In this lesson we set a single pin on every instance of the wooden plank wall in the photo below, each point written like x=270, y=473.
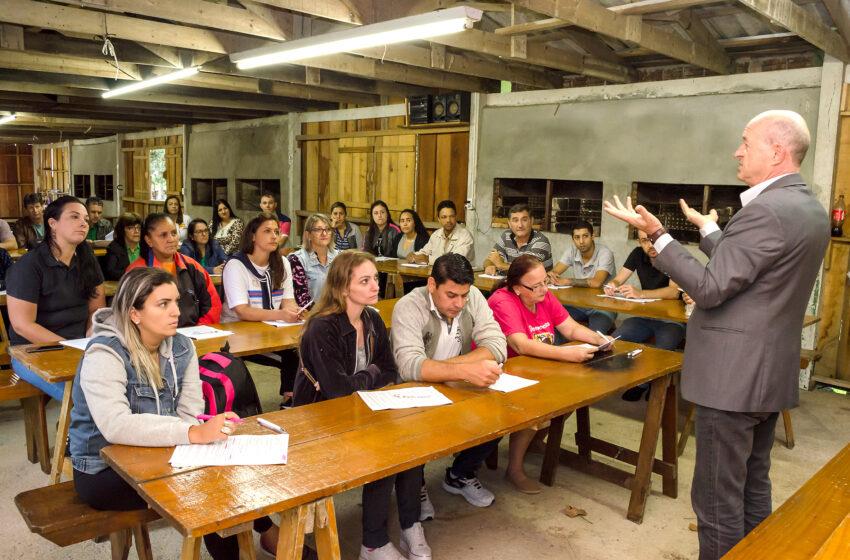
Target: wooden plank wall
x=16, y=178
x=136, y=182
x=54, y=168
x=835, y=297
x=360, y=161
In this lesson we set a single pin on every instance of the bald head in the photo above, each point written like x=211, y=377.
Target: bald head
x=785, y=128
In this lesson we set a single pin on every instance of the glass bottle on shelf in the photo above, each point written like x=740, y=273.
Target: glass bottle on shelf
x=838, y=217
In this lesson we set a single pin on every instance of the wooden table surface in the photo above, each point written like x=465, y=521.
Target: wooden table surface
x=18, y=253
x=349, y=445
x=248, y=338
x=810, y=524
x=396, y=266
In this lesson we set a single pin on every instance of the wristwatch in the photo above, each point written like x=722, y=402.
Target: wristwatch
x=653, y=237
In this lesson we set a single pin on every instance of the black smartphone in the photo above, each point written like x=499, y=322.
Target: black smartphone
x=35, y=349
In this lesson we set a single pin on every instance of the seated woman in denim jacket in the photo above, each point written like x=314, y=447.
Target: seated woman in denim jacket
x=137, y=384
x=346, y=348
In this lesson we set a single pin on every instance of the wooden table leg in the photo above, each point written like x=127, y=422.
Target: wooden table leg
x=143, y=542
x=583, y=432
x=191, y=549
x=61, y=435
x=246, y=545
x=648, y=443
x=789, y=429
x=291, y=541
x=669, y=452
x=551, y=456
x=687, y=429
x=28, y=405
x=36, y=416
x=119, y=543
x=327, y=539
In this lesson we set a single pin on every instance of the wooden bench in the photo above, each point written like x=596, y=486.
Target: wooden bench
x=56, y=513
x=12, y=388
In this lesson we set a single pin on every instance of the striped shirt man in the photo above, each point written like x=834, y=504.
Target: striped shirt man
x=538, y=245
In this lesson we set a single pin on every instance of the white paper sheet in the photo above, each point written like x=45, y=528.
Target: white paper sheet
x=235, y=450
x=554, y=287
x=493, y=276
x=279, y=323
x=508, y=383
x=415, y=265
x=78, y=343
x=203, y=332
x=409, y=397
x=631, y=299
x=381, y=259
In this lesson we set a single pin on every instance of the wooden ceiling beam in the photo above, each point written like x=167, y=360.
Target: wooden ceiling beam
x=25, y=60
x=840, y=12
x=655, y=6
x=195, y=13
x=796, y=19
x=756, y=40
x=537, y=26
x=595, y=17
x=333, y=10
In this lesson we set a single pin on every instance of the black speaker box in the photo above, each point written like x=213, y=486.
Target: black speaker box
x=457, y=107
x=438, y=108
x=419, y=109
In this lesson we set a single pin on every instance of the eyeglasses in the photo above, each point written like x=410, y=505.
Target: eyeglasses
x=137, y=227
x=538, y=286
x=202, y=232
x=321, y=231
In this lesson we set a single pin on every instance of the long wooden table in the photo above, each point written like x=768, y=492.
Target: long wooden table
x=18, y=253
x=814, y=523
x=341, y=444
x=248, y=338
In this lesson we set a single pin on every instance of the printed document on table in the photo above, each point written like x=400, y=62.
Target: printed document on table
x=78, y=343
x=278, y=323
x=235, y=450
x=203, y=332
x=508, y=383
x=493, y=276
x=554, y=287
x=631, y=299
x=381, y=259
x=415, y=265
x=410, y=397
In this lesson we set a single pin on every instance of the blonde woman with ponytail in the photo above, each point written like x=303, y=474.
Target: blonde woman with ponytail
x=137, y=384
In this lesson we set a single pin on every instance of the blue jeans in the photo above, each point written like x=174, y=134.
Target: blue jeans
x=668, y=335
x=54, y=390
x=596, y=320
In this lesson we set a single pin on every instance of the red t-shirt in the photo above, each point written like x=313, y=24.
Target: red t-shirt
x=514, y=317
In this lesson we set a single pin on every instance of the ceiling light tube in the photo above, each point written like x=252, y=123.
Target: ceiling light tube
x=136, y=86
x=412, y=28
x=7, y=118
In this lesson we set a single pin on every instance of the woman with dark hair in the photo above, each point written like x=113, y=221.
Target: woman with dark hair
x=199, y=301
x=125, y=246
x=345, y=234
x=345, y=348
x=413, y=237
x=53, y=290
x=174, y=210
x=226, y=227
x=257, y=280
x=382, y=233
x=200, y=247
x=528, y=314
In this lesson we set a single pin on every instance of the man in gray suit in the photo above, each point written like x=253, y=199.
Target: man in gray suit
x=742, y=353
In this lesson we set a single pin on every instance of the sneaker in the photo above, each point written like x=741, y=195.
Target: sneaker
x=386, y=552
x=426, y=508
x=636, y=393
x=413, y=543
x=469, y=488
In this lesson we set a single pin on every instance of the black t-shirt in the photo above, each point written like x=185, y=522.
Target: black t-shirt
x=55, y=288
x=650, y=277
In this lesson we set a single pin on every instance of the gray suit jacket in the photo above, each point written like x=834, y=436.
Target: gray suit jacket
x=743, y=342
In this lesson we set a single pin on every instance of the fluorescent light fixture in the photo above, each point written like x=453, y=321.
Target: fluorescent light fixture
x=7, y=118
x=179, y=75
x=422, y=26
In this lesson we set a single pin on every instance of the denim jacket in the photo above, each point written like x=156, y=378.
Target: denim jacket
x=86, y=439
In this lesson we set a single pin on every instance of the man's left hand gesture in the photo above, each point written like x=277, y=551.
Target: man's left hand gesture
x=638, y=217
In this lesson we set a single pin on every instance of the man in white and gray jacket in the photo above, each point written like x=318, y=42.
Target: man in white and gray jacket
x=432, y=332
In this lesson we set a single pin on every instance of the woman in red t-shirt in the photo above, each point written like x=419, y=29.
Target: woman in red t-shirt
x=529, y=314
